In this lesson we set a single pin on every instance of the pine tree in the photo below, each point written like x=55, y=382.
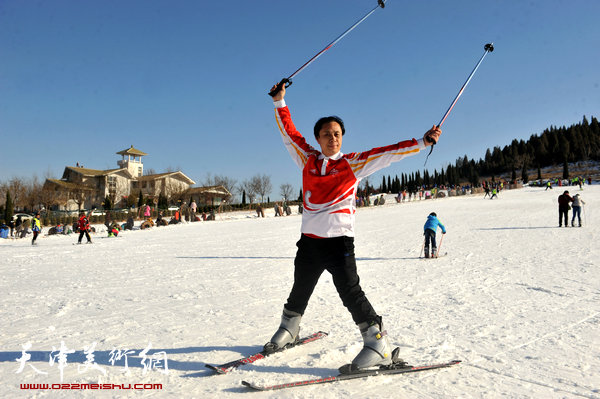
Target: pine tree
x=565, y=169
x=140, y=199
x=107, y=204
x=539, y=173
x=524, y=175
x=8, y=207
x=163, y=203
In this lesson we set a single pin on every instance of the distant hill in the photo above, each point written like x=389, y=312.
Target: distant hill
x=557, y=152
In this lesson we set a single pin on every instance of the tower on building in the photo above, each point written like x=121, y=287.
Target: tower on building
x=132, y=161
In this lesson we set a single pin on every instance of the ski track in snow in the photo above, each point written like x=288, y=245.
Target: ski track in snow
x=517, y=299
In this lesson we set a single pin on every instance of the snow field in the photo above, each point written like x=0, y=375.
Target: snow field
x=517, y=299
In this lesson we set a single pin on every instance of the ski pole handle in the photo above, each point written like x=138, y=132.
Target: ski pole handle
x=430, y=140
x=285, y=81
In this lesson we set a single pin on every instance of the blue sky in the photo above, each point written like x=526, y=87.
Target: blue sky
x=186, y=81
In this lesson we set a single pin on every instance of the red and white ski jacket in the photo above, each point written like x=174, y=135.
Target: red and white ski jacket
x=329, y=184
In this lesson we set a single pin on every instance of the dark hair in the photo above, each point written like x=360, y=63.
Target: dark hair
x=432, y=214
x=327, y=119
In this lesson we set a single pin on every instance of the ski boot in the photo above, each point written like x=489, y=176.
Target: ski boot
x=427, y=251
x=434, y=253
x=286, y=334
x=376, y=351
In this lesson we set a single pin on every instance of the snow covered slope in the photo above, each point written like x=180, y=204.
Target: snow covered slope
x=517, y=299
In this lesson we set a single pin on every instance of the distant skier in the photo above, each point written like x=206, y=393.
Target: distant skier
x=330, y=180
x=36, y=227
x=494, y=193
x=487, y=191
x=548, y=185
x=563, y=208
x=84, y=227
x=430, y=228
x=577, y=202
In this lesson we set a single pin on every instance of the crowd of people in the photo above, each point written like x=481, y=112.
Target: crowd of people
x=21, y=227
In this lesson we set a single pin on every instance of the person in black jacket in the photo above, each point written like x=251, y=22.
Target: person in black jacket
x=563, y=208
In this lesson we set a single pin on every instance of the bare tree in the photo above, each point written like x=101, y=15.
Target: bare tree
x=219, y=180
x=175, y=190
x=229, y=183
x=33, y=194
x=18, y=192
x=3, y=190
x=286, y=191
x=263, y=185
x=50, y=197
x=250, y=189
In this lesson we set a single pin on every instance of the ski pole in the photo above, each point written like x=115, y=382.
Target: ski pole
x=288, y=81
x=440, y=247
x=422, y=246
x=489, y=47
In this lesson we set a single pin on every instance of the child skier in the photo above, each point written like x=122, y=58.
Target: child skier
x=430, y=228
x=36, y=227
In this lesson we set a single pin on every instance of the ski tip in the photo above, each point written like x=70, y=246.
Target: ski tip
x=252, y=386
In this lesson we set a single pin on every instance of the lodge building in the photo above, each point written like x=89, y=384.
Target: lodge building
x=84, y=188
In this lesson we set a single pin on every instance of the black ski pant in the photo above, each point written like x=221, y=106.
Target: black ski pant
x=35, y=235
x=430, y=238
x=336, y=255
x=87, y=235
x=563, y=212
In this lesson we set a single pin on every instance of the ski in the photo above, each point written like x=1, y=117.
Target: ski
x=227, y=367
x=403, y=369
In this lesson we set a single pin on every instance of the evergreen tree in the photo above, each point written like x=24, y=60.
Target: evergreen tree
x=107, y=204
x=418, y=179
x=163, y=203
x=565, y=169
x=140, y=199
x=513, y=175
x=524, y=175
x=383, y=187
x=474, y=179
x=389, y=184
x=539, y=173
x=8, y=207
x=426, y=179
x=243, y=197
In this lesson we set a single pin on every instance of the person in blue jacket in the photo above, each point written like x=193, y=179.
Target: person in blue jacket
x=430, y=228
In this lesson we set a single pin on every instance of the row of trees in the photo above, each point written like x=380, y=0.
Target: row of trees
x=251, y=190
x=578, y=142
x=554, y=146
x=27, y=195
x=21, y=194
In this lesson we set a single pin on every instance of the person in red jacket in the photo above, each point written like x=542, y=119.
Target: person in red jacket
x=84, y=227
x=563, y=208
x=329, y=184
